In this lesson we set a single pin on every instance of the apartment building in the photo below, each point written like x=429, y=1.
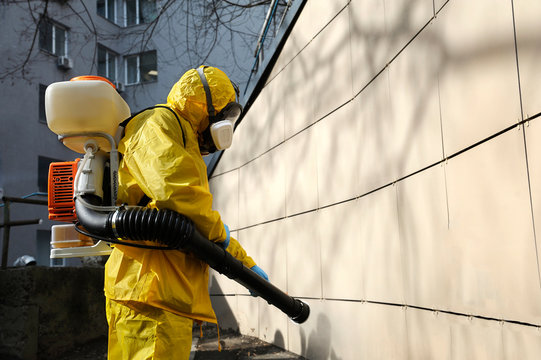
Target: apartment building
x=142, y=46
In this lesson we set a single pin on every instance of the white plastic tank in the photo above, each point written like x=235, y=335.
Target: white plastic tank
x=82, y=105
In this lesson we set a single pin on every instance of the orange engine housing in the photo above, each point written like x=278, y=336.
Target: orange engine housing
x=60, y=198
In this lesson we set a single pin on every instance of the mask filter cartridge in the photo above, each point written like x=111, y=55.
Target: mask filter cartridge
x=221, y=125
x=222, y=134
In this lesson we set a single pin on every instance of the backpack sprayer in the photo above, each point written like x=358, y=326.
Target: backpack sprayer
x=85, y=113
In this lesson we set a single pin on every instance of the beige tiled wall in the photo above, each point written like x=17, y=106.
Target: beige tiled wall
x=527, y=13
x=385, y=176
x=478, y=81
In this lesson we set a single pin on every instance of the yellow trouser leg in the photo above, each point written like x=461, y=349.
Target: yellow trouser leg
x=139, y=332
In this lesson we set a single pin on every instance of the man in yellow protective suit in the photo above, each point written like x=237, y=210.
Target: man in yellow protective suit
x=153, y=296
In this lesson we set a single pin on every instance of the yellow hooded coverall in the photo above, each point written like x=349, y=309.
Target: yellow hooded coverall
x=153, y=295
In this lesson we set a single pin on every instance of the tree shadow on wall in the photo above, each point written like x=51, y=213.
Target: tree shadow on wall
x=318, y=344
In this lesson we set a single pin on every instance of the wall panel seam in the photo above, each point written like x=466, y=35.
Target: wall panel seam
x=392, y=183
x=423, y=308
x=346, y=102
x=525, y=143
x=309, y=42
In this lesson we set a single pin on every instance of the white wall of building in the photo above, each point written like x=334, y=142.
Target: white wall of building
x=385, y=175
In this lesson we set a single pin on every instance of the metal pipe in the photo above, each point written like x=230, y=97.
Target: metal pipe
x=20, y=223
x=5, y=246
x=7, y=199
x=262, y=33
x=113, y=158
x=8, y=224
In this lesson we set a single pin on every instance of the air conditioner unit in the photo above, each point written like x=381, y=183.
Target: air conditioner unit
x=119, y=86
x=64, y=62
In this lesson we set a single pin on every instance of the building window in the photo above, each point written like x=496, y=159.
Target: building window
x=142, y=68
x=107, y=63
x=139, y=11
x=107, y=9
x=43, y=172
x=42, y=117
x=53, y=38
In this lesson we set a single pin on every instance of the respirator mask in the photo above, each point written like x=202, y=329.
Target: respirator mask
x=219, y=134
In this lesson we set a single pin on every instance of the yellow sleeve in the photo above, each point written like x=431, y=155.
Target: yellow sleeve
x=172, y=175
x=239, y=253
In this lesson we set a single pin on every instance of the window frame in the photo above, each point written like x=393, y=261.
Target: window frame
x=55, y=26
x=127, y=69
x=105, y=15
x=139, y=17
x=137, y=22
x=108, y=53
x=139, y=77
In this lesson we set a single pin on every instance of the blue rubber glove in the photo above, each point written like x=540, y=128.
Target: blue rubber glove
x=261, y=273
x=225, y=244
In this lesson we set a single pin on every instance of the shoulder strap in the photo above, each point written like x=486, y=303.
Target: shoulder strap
x=124, y=123
x=145, y=199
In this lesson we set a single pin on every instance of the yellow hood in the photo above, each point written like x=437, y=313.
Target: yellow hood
x=188, y=96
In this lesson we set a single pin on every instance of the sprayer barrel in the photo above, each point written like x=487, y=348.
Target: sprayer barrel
x=175, y=230
x=223, y=262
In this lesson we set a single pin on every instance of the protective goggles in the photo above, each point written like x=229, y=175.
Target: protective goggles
x=219, y=134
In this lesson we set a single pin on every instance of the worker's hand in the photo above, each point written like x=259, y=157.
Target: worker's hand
x=261, y=273
x=225, y=244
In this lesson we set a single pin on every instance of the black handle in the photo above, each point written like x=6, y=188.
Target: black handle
x=223, y=262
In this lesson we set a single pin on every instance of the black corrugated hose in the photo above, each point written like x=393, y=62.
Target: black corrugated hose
x=169, y=228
